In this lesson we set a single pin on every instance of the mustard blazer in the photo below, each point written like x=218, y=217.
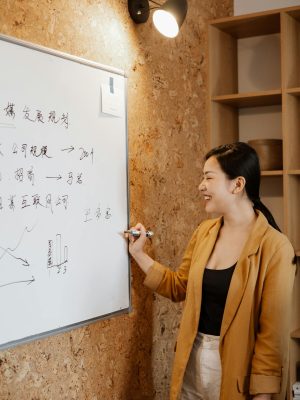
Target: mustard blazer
x=255, y=327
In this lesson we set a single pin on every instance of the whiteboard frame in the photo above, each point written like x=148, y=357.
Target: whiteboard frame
x=93, y=64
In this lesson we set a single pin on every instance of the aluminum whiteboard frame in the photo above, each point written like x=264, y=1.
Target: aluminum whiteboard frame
x=116, y=71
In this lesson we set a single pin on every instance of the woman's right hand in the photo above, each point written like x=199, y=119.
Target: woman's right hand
x=136, y=248
x=136, y=244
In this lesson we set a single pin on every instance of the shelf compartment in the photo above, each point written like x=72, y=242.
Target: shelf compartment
x=263, y=122
x=252, y=25
x=291, y=131
x=291, y=49
x=231, y=60
x=230, y=124
x=254, y=99
x=259, y=66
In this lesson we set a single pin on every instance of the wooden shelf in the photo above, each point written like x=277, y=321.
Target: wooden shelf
x=272, y=173
x=296, y=334
x=254, y=99
x=252, y=25
x=294, y=91
x=293, y=172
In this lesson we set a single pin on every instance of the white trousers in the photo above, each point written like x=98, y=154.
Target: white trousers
x=202, y=377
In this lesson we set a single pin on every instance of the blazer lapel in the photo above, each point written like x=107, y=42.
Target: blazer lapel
x=236, y=290
x=241, y=274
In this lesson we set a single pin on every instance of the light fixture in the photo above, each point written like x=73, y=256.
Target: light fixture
x=167, y=17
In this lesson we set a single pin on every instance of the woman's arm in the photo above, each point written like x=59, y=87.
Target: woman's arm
x=159, y=278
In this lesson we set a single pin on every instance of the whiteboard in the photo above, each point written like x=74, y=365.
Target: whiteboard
x=63, y=192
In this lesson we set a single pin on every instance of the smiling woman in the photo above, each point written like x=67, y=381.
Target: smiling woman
x=236, y=278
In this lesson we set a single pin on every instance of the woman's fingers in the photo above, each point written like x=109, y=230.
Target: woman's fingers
x=137, y=242
x=139, y=227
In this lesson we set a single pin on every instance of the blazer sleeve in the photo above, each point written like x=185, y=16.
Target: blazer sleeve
x=271, y=346
x=168, y=283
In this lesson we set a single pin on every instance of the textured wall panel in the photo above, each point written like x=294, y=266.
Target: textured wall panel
x=127, y=357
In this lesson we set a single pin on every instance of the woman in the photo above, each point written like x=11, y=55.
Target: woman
x=236, y=279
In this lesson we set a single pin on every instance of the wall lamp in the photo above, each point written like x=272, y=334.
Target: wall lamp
x=167, y=17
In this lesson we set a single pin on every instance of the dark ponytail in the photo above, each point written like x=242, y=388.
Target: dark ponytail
x=259, y=205
x=239, y=159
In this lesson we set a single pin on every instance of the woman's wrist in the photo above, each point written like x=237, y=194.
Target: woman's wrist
x=136, y=253
x=143, y=260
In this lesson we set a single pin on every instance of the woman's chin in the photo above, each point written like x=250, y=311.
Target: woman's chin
x=208, y=207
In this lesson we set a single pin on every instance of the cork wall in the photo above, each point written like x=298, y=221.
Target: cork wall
x=127, y=357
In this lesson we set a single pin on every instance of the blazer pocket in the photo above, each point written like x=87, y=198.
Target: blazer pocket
x=243, y=383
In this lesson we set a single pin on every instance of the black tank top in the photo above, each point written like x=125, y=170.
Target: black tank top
x=215, y=288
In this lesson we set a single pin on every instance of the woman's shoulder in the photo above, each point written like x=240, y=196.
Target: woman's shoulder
x=273, y=239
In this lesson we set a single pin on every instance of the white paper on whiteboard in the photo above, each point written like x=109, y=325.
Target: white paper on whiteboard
x=112, y=103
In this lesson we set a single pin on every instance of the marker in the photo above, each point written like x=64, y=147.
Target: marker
x=136, y=233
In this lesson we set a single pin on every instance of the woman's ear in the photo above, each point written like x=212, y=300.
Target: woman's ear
x=239, y=184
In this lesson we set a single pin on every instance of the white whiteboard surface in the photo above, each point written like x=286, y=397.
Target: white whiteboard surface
x=63, y=192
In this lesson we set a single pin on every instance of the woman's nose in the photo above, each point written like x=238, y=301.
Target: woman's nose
x=201, y=186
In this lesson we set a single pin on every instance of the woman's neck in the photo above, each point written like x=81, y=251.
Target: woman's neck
x=243, y=217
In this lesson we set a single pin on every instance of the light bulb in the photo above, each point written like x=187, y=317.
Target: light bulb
x=165, y=23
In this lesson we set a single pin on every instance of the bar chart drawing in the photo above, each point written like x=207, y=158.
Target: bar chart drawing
x=57, y=255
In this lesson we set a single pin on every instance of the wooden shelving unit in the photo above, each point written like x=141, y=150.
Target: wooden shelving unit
x=278, y=172
x=270, y=97
x=254, y=80
x=295, y=91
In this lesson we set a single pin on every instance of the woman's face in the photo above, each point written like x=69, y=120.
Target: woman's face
x=216, y=189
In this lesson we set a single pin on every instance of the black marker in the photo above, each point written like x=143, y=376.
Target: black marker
x=136, y=233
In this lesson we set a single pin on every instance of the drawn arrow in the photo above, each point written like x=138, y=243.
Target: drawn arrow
x=24, y=261
x=54, y=177
x=14, y=283
x=69, y=149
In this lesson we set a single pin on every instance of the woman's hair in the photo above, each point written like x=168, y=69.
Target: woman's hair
x=240, y=159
